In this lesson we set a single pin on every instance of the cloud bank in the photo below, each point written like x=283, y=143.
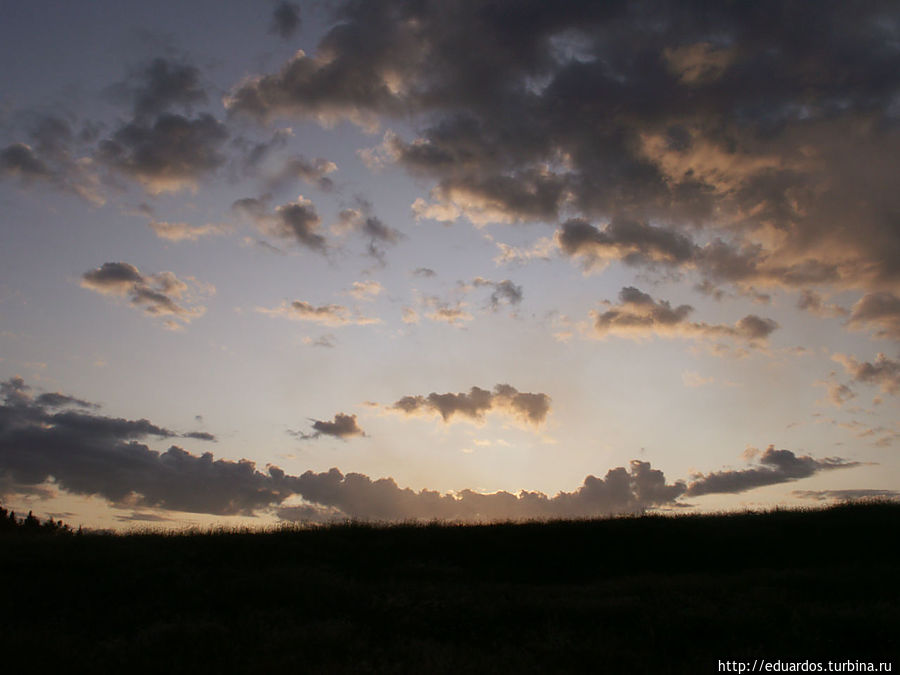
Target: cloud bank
x=746, y=138
x=63, y=439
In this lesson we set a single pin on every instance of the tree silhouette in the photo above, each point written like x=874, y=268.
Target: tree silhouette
x=30, y=524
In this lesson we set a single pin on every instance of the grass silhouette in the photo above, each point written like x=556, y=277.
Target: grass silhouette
x=649, y=594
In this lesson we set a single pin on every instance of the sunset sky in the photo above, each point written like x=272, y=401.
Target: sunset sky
x=408, y=259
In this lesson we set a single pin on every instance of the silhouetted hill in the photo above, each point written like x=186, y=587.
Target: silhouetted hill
x=650, y=594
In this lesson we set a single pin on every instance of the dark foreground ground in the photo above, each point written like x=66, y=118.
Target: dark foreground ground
x=635, y=595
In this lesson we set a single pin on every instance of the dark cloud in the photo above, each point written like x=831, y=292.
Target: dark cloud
x=376, y=230
x=159, y=86
x=883, y=372
x=57, y=400
x=767, y=127
x=342, y=426
x=51, y=157
x=253, y=208
x=89, y=454
x=20, y=160
x=424, y=272
x=285, y=19
x=630, y=241
x=296, y=221
x=775, y=466
x=527, y=407
x=200, y=436
x=170, y=153
x=140, y=517
x=638, y=315
x=162, y=149
x=354, y=495
x=161, y=294
x=742, y=264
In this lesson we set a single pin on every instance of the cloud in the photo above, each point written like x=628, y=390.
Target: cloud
x=161, y=294
x=813, y=303
x=365, y=290
x=326, y=315
x=743, y=264
x=360, y=218
x=846, y=495
x=755, y=133
x=838, y=393
x=424, y=272
x=20, y=160
x=526, y=407
x=327, y=341
x=85, y=453
x=89, y=454
x=638, y=315
x=184, y=231
x=140, y=517
x=313, y=171
x=539, y=250
x=630, y=241
x=159, y=86
x=884, y=371
x=503, y=291
x=285, y=20
x=57, y=400
x=775, y=466
x=316, y=87
x=296, y=221
x=167, y=154
x=164, y=150
x=343, y=426
x=442, y=311
x=257, y=153
x=880, y=311
x=252, y=208
x=356, y=495
x=200, y=436
x=52, y=158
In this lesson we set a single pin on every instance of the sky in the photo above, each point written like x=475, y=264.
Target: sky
x=267, y=262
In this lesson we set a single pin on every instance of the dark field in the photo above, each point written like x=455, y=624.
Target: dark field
x=632, y=595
